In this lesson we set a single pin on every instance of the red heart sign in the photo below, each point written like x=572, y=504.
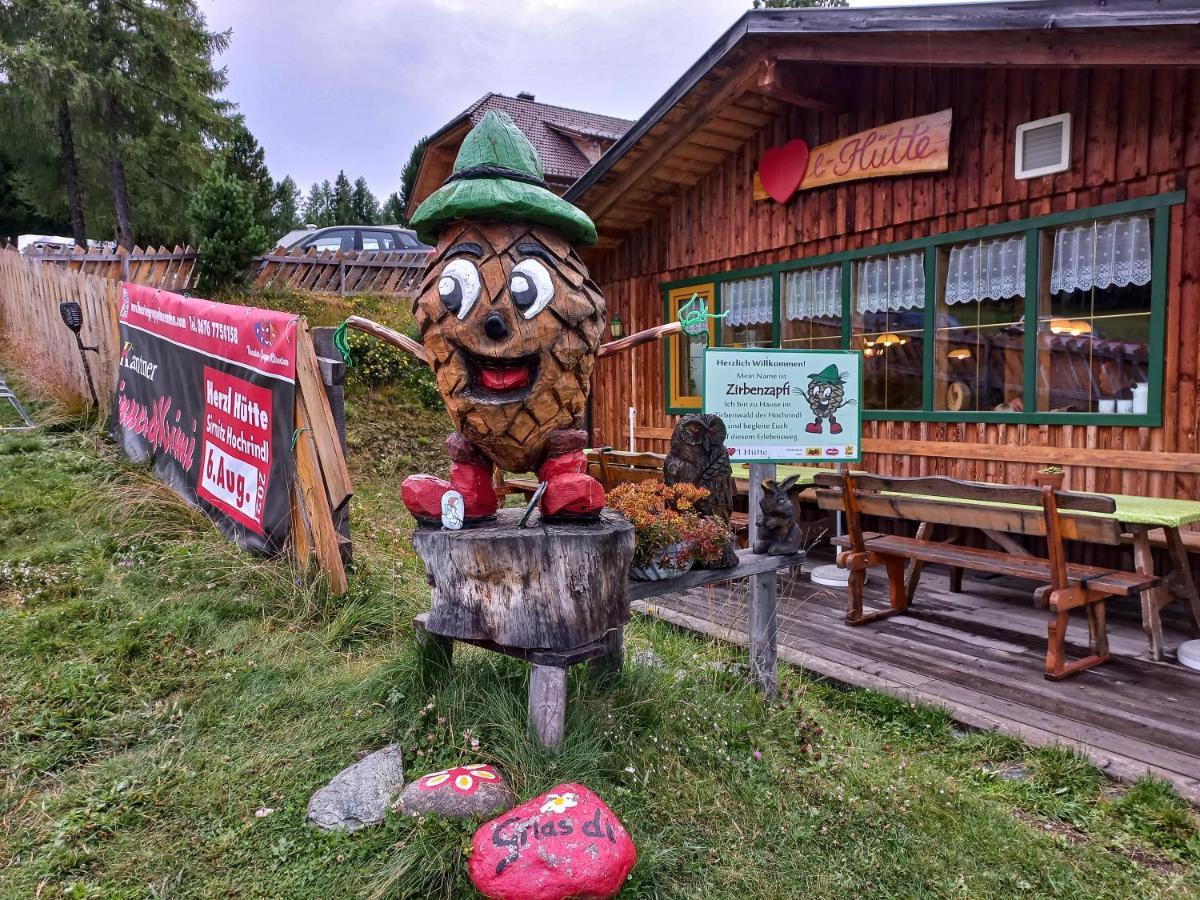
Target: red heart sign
x=782, y=169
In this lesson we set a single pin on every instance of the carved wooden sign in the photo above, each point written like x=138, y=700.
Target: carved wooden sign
x=900, y=148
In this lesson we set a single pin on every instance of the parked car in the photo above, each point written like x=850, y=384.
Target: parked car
x=352, y=237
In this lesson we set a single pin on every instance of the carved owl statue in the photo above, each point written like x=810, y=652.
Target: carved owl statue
x=698, y=456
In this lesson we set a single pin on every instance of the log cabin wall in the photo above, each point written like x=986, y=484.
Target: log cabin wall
x=1135, y=133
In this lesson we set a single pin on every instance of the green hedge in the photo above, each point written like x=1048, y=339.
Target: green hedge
x=376, y=363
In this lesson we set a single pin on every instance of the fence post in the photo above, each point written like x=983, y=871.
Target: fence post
x=342, y=278
x=763, y=626
x=124, y=254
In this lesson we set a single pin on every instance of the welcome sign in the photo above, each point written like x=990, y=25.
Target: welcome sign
x=786, y=406
x=911, y=146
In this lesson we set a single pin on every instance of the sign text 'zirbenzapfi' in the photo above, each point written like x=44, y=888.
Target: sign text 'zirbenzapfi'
x=907, y=147
x=206, y=394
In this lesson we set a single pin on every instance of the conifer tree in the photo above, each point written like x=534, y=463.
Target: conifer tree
x=224, y=230
x=343, y=209
x=246, y=161
x=364, y=207
x=285, y=210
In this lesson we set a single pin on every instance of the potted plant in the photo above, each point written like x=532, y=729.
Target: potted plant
x=670, y=535
x=1051, y=477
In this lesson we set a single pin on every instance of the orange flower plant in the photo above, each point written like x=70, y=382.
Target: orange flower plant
x=665, y=515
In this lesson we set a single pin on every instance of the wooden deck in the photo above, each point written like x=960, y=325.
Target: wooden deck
x=980, y=655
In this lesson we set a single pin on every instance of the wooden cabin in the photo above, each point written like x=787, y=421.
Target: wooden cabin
x=568, y=141
x=1033, y=301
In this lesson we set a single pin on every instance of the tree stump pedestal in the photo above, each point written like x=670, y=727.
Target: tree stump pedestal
x=551, y=594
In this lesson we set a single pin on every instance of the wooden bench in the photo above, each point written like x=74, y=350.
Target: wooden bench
x=997, y=508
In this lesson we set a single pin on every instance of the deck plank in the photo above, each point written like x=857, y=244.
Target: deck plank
x=980, y=655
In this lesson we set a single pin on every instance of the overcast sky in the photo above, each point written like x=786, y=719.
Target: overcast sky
x=354, y=83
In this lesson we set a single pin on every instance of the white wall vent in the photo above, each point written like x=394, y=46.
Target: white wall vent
x=1044, y=146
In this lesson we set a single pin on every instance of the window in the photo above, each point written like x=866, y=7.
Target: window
x=812, y=309
x=889, y=329
x=335, y=240
x=378, y=240
x=685, y=357
x=1094, y=317
x=1054, y=320
x=980, y=333
x=749, y=309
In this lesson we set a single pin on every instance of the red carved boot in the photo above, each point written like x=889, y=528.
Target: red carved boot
x=570, y=491
x=470, y=475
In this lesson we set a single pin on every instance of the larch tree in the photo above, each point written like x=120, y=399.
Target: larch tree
x=156, y=90
x=43, y=56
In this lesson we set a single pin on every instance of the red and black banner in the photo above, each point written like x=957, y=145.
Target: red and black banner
x=206, y=395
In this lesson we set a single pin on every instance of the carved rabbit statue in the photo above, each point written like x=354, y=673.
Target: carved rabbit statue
x=778, y=532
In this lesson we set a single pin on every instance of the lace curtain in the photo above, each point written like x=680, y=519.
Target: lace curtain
x=1116, y=251
x=748, y=302
x=986, y=270
x=891, y=283
x=813, y=293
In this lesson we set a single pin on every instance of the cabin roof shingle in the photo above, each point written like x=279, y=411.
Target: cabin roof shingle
x=544, y=124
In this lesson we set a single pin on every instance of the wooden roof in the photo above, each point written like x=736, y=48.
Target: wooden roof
x=810, y=58
x=549, y=128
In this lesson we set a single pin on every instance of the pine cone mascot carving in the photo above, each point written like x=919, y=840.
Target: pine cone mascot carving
x=511, y=323
x=698, y=456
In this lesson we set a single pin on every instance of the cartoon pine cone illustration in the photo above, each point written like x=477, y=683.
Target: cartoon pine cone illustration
x=826, y=395
x=511, y=322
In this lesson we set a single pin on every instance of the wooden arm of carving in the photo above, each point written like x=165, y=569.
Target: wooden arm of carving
x=642, y=337
x=387, y=335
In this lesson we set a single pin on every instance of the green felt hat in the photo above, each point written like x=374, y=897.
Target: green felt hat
x=498, y=175
x=828, y=375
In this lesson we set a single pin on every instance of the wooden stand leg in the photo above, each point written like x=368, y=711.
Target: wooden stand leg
x=764, y=629
x=609, y=665
x=1183, y=575
x=548, y=705
x=1062, y=602
x=1143, y=563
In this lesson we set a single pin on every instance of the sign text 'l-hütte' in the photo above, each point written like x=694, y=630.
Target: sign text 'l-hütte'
x=899, y=148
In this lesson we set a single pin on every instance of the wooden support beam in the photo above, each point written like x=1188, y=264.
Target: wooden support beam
x=1056, y=47
x=548, y=705
x=736, y=85
x=773, y=82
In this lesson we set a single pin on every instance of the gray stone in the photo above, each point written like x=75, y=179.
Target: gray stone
x=359, y=794
x=462, y=792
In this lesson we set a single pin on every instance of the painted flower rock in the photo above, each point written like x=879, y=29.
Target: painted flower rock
x=565, y=843
x=458, y=793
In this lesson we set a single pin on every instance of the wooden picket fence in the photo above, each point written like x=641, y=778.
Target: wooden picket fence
x=396, y=272
x=32, y=331
x=171, y=270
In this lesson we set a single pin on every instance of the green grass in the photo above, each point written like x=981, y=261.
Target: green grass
x=158, y=687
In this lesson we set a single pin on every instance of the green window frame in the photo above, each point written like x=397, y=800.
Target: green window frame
x=1159, y=205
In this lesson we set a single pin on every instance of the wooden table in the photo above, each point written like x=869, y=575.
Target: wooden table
x=1139, y=516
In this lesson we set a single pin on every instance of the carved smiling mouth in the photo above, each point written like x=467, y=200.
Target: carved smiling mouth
x=499, y=379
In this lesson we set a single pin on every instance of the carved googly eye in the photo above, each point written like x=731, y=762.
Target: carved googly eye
x=458, y=287
x=531, y=287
